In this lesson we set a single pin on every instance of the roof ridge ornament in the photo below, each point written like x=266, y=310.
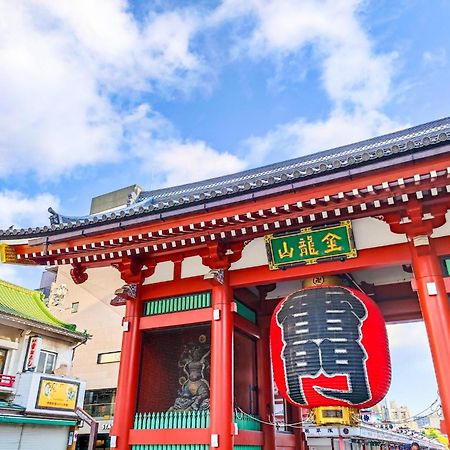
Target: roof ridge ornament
x=55, y=218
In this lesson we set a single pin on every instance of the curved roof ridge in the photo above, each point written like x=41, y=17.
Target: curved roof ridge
x=29, y=304
x=19, y=288
x=345, y=158
x=367, y=144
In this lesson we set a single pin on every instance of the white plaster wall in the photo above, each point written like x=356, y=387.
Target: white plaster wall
x=99, y=318
x=445, y=229
x=9, y=339
x=370, y=233
x=17, y=344
x=193, y=267
x=63, y=349
x=163, y=272
x=18, y=358
x=253, y=255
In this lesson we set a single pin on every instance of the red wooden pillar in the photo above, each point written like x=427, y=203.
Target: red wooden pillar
x=436, y=312
x=128, y=375
x=127, y=384
x=221, y=382
x=300, y=438
x=265, y=383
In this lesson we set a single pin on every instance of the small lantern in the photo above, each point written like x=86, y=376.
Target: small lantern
x=329, y=348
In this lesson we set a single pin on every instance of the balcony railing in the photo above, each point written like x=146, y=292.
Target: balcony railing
x=100, y=410
x=6, y=380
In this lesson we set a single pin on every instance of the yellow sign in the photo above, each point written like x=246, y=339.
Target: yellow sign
x=8, y=255
x=55, y=394
x=335, y=415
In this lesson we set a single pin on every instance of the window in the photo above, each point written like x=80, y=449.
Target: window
x=3, y=353
x=106, y=358
x=47, y=361
x=100, y=403
x=74, y=308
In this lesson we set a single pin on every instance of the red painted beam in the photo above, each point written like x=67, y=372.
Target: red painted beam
x=302, y=193
x=367, y=258
x=249, y=437
x=370, y=258
x=175, y=319
x=400, y=310
x=170, y=436
x=446, y=283
x=174, y=287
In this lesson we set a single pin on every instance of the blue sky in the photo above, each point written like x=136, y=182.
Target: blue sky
x=99, y=95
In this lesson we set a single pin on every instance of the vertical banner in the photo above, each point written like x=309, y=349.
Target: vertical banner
x=32, y=356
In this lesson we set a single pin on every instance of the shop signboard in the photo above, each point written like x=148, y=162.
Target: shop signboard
x=32, y=356
x=8, y=255
x=54, y=394
x=311, y=245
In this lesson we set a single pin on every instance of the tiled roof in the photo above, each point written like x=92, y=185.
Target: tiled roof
x=358, y=156
x=23, y=303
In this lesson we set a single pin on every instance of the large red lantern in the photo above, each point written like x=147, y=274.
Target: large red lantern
x=329, y=348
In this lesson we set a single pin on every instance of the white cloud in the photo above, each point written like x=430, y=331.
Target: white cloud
x=65, y=63
x=22, y=211
x=351, y=70
x=301, y=137
x=408, y=336
x=355, y=77
x=436, y=57
x=68, y=68
x=183, y=161
x=169, y=159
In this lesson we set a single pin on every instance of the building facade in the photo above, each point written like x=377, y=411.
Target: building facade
x=38, y=394
x=97, y=363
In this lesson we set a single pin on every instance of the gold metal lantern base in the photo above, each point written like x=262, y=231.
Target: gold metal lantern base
x=335, y=415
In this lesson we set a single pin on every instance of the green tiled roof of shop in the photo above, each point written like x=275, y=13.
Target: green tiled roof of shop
x=27, y=304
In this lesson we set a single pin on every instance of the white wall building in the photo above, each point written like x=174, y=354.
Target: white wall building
x=38, y=395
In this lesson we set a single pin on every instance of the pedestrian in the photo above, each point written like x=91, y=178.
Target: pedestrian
x=415, y=446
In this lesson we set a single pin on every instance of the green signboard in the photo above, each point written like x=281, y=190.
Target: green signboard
x=311, y=245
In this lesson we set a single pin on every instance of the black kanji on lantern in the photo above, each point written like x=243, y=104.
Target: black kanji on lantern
x=321, y=331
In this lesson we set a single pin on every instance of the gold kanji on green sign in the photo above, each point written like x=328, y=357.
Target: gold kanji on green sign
x=311, y=245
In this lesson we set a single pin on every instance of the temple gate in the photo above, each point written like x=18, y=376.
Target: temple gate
x=200, y=287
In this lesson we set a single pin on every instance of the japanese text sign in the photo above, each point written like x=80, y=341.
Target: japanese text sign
x=310, y=245
x=54, y=394
x=32, y=356
x=329, y=348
